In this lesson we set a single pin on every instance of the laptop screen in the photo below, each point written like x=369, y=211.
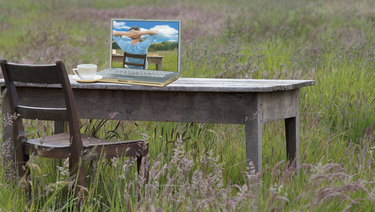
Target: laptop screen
x=159, y=39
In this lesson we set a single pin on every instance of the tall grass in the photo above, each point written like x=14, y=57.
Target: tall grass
x=201, y=167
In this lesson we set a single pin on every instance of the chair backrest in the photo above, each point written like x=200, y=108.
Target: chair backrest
x=42, y=74
x=144, y=57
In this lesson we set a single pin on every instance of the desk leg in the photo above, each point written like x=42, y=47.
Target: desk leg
x=159, y=66
x=7, y=145
x=292, y=139
x=253, y=133
x=61, y=126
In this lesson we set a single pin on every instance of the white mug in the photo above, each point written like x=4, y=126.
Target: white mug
x=86, y=71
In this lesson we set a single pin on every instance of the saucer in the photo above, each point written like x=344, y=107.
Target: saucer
x=78, y=79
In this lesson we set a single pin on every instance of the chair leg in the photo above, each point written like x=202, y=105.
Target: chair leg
x=21, y=165
x=139, y=164
x=75, y=169
x=24, y=172
x=21, y=157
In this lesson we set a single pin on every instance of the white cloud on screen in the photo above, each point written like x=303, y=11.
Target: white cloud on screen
x=167, y=32
x=120, y=25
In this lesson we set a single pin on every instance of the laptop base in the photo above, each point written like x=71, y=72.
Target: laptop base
x=135, y=82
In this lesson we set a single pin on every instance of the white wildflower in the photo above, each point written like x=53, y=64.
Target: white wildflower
x=64, y=170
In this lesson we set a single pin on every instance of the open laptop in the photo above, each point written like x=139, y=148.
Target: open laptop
x=163, y=55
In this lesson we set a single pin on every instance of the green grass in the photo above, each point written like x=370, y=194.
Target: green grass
x=199, y=167
x=169, y=60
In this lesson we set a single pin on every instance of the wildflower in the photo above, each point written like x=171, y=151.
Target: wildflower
x=64, y=170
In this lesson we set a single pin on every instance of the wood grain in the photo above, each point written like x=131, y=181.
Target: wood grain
x=253, y=132
x=229, y=101
x=194, y=85
x=27, y=102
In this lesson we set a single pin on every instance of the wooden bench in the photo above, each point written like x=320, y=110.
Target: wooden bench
x=227, y=101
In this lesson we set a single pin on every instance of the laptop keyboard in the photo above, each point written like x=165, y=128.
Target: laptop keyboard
x=135, y=72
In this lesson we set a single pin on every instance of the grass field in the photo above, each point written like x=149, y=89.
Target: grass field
x=200, y=167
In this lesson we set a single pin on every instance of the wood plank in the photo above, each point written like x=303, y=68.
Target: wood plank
x=207, y=85
x=42, y=113
x=43, y=73
x=195, y=85
x=62, y=140
x=58, y=146
x=253, y=132
x=201, y=107
x=234, y=101
x=279, y=105
x=61, y=126
x=292, y=137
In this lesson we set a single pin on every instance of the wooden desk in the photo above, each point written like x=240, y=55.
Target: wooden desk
x=158, y=60
x=228, y=101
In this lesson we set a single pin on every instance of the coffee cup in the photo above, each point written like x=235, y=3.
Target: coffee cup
x=85, y=71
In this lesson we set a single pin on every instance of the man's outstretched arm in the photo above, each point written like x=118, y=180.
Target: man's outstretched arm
x=146, y=32
x=153, y=33
x=135, y=33
x=121, y=33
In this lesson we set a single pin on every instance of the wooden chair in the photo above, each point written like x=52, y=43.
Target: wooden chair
x=70, y=144
x=144, y=57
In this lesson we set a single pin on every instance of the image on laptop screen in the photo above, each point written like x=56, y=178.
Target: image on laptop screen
x=143, y=52
x=158, y=39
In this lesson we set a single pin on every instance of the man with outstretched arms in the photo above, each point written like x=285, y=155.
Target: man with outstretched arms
x=135, y=47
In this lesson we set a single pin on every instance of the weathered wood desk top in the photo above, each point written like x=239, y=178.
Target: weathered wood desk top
x=232, y=101
x=196, y=85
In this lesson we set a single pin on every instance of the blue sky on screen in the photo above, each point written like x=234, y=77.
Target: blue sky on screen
x=168, y=31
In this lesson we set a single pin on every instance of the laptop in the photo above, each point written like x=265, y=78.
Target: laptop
x=163, y=51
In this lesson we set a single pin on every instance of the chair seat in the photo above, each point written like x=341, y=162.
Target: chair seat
x=58, y=146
